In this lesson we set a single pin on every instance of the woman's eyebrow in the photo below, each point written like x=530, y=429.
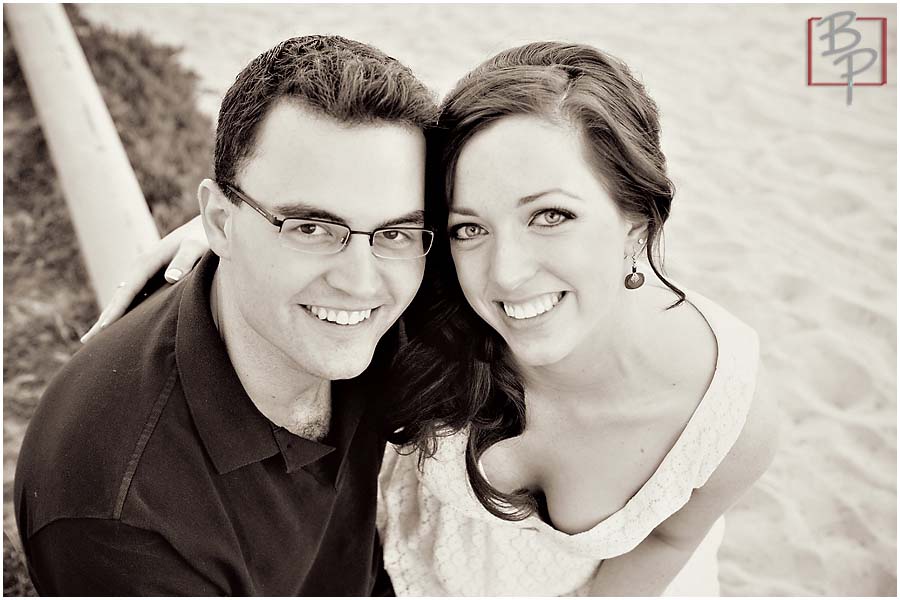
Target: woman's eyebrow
x=468, y=212
x=532, y=197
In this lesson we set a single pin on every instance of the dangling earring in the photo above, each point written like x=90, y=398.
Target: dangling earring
x=635, y=280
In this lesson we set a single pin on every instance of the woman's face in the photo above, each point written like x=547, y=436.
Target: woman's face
x=537, y=241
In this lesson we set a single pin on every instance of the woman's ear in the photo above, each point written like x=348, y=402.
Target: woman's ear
x=215, y=213
x=636, y=238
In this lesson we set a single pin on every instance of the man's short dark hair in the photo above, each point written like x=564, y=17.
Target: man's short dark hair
x=346, y=80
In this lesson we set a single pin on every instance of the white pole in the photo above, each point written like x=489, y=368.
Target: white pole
x=108, y=210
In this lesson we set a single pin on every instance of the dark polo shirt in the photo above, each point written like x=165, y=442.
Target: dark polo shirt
x=147, y=470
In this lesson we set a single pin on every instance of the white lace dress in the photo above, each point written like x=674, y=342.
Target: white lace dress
x=439, y=540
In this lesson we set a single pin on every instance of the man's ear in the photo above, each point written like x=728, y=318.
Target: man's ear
x=215, y=213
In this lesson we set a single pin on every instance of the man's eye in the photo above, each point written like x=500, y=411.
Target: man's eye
x=396, y=237
x=551, y=218
x=311, y=229
x=307, y=232
x=467, y=231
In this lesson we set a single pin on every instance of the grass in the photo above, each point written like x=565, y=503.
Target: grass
x=48, y=303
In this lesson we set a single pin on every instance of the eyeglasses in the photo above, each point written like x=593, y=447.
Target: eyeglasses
x=318, y=236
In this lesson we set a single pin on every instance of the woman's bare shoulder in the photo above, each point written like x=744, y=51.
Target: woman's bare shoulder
x=745, y=463
x=755, y=447
x=685, y=348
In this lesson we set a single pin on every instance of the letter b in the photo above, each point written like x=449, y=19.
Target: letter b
x=833, y=31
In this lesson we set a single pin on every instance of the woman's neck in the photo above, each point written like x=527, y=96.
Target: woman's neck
x=613, y=366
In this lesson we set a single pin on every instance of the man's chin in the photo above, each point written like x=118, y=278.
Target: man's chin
x=348, y=373
x=341, y=365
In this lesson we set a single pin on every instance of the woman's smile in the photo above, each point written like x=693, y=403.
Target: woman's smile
x=530, y=309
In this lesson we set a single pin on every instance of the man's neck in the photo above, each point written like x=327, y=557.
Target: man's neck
x=284, y=394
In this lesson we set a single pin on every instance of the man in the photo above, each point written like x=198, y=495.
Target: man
x=220, y=438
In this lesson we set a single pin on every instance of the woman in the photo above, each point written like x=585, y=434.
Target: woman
x=581, y=426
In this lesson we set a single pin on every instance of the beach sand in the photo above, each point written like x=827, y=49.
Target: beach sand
x=785, y=214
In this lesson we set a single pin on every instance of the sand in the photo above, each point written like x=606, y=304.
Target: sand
x=785, y=214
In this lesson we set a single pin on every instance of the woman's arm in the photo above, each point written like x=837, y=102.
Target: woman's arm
x=181, y=248
x=653, y=564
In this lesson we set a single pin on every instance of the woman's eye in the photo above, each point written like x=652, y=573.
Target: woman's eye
x=551, y=218
x=467, y=231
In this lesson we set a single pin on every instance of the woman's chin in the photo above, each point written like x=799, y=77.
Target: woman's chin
x=538, y=355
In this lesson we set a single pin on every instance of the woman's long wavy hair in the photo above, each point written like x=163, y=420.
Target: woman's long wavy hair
x=455, y=371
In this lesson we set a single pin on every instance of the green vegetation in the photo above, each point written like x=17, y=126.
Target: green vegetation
x=48, y=303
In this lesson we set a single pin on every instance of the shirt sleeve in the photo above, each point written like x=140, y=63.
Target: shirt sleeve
x=100, y=557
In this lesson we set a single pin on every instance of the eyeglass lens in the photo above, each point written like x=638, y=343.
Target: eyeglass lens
x=318, y=237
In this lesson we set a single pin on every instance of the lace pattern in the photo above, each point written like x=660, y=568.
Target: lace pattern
x=439, y=540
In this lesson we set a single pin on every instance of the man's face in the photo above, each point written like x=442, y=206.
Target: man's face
x=364, y=176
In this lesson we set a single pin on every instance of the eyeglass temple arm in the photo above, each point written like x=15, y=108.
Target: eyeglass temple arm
x=252, y=204
x=270, y=218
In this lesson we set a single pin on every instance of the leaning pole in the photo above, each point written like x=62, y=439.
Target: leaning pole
x=107, y=207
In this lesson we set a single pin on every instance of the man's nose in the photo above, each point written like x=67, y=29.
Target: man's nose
x=512, y=263
x=355, y=269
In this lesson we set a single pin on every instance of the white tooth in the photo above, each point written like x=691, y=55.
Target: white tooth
x=355, y=317
x=322, y=314
x=332, y=315
x=519, y=312
x=556, y=298
x=547, y=301
x=342, y=317
x=367, y=313
x=508, y=310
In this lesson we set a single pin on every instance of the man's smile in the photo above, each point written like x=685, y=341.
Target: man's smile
x=339, y=316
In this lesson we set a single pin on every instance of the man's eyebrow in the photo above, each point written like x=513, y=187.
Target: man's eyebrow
x=416, y=217
x=301, y=210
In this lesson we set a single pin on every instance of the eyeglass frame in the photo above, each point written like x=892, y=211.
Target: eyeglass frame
x=279, y=223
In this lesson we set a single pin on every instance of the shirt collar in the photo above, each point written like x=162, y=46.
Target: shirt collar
x=326, y=460
x=232, y=429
